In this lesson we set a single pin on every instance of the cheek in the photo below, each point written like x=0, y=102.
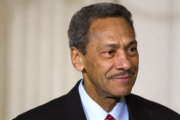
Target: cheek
x=97, y=67
x=135, y=61
x=98, y=70
x=135, y=66
x=92, y=67
x=109, y=68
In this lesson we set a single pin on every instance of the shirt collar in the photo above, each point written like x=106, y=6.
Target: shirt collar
x=91, y=108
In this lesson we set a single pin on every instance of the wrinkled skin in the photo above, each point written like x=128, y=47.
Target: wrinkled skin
x=110, y=65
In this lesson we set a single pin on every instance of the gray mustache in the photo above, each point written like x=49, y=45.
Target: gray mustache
x=125, y=72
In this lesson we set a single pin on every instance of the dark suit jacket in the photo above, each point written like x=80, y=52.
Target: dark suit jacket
x=69, y=107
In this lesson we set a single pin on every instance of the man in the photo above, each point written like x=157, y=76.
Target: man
x=104, y=48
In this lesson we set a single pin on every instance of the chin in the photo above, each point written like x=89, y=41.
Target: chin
x=122, y=92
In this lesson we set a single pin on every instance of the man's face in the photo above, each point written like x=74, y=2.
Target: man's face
x=111, y=59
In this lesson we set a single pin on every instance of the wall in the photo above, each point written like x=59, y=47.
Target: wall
x=174, y=41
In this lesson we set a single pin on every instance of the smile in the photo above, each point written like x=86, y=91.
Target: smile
x=121, y=79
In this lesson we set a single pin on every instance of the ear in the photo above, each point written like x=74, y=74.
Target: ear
x=77, y=59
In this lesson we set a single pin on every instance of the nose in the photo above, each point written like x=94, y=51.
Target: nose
x=122, y=61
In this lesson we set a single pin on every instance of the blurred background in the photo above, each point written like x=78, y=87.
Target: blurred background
x=35, y=64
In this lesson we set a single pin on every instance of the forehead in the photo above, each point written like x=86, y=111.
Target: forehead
x=114, y=29
x=108, y=23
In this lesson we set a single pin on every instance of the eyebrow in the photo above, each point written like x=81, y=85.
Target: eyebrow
x=109, y=45
x=114, y=45
x=133, y=42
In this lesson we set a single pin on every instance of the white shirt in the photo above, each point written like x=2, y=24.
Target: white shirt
x=93, y=111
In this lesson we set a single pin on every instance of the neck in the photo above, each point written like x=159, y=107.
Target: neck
x=107, y=103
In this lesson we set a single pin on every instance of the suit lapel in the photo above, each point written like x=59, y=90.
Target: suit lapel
x=135, y=109
x=74, y=106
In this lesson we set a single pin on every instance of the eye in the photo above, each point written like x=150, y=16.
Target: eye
x=132, y=51
x=109, y=53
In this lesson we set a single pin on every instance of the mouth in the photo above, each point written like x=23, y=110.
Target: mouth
x=121, y=79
